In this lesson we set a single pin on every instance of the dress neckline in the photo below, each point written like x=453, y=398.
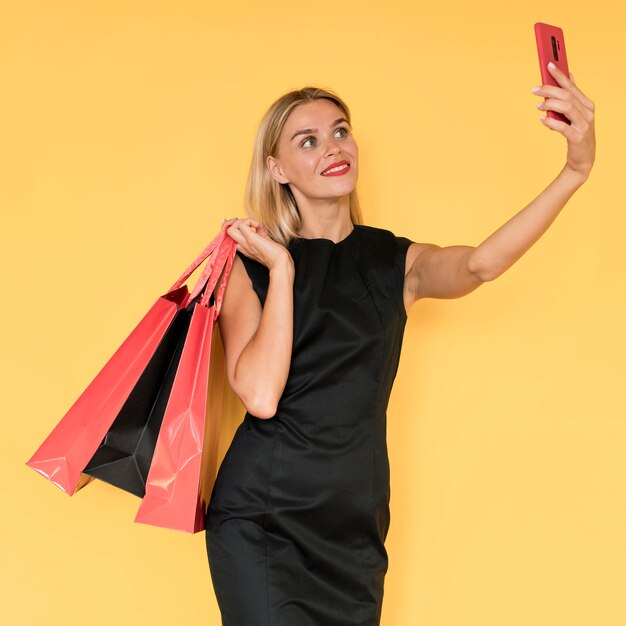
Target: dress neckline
x=325, y=240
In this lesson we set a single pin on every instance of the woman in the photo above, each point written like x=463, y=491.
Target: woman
x=312, y=323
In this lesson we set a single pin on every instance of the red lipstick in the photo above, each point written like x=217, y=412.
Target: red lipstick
x=339, y=172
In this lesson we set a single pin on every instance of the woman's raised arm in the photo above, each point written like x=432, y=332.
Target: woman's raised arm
x=258, y=340
x=453, y=271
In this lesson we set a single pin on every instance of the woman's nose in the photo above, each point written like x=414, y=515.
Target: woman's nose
x=332, y=148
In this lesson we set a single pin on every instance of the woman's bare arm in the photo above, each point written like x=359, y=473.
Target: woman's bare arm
x=453, y=271
x=258, y=340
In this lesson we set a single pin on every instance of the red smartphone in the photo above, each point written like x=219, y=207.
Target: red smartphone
x=551, y=47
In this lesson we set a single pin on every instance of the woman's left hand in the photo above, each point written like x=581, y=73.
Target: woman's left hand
x=569, y=100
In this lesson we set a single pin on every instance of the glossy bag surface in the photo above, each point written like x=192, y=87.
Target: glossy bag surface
x=174, y=488
x=69, y=447
x=124, y=456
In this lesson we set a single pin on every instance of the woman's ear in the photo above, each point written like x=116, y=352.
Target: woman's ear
x=275, y=170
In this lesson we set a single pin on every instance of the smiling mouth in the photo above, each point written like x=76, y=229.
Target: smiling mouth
x=336, y=170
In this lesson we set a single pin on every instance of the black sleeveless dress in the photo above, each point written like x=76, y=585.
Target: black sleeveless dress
x=299, y=513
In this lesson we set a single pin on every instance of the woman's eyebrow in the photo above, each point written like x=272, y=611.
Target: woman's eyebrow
x=306, y=131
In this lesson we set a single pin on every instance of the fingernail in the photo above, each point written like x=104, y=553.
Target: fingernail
x=551, y=65
x=536, y=89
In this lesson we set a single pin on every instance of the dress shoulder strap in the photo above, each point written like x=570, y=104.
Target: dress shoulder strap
x=259, y=275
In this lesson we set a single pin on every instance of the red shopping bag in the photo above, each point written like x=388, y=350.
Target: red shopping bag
x=174, y=488
x=69, y=447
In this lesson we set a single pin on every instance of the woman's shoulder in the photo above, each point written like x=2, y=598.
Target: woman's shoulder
x=258, y=273
x=252, y=265
x=384, y=241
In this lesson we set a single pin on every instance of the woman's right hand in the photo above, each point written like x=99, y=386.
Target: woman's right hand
x=257, y=245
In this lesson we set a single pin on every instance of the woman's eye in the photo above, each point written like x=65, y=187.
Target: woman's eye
x=314, y=139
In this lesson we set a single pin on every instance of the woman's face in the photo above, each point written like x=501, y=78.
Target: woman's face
x=302, y=156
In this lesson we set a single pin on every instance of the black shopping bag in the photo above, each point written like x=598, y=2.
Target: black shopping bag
x=123, y=458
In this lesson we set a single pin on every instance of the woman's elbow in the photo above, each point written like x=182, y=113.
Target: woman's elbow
x=263, y=408
x=258, y=392
x=259, y=404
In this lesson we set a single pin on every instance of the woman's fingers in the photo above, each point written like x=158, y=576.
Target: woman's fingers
x=241, y=231
x=245, y=227
x=579, y=109
x=568, y=85
x=566, y=102
x=571, y=112
x=234, y=230
x=254, y=241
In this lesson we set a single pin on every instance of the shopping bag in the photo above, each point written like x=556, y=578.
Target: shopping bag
x=222, y=403
x=124, y=456
x=69, y=447
x=174, y=486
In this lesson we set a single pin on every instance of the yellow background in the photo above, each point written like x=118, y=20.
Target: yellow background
x=127, y=132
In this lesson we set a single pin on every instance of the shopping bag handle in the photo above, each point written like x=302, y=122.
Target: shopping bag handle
x=222, y=264
x=215, y=243
x=214, y=264
x=213, y=267
x=227, y=268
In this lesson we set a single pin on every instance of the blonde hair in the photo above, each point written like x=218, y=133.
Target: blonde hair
x=267, y=200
